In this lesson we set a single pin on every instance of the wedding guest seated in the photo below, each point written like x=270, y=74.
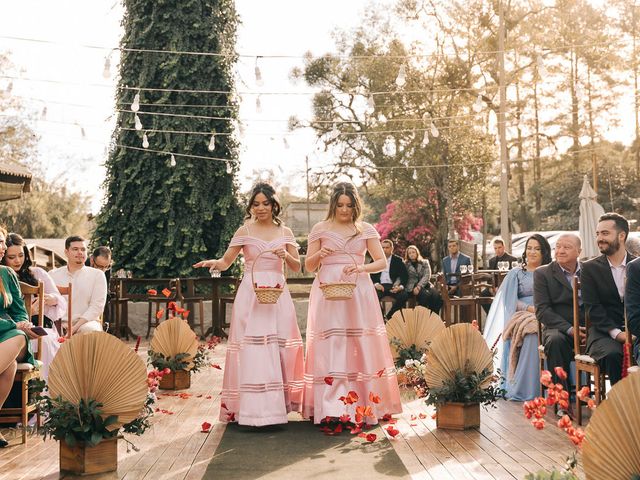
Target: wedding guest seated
x=451, y=265
x=55, y=305
x=512, y=325
x=391, y=281
x=89, y=287
x=501, y=255
x=419, y=284
x=15, y=329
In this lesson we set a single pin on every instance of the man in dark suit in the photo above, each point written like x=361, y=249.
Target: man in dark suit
x=393, y=280
x=501, y=255
x=553, y=300
x=632, y=301
x=451, y=265
x=602, y=281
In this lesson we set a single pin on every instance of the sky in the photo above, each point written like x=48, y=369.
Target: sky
x=79, y=100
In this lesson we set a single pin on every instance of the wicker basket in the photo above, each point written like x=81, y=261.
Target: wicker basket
x=338, y=290
x=265, y=295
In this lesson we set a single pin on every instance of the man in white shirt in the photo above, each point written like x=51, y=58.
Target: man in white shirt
x=89, y=287
x=602, y=281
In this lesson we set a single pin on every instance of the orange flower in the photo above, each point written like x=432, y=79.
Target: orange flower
x=159, y=313
x=374, y=398
x=345, y=418
x=392, y=431
x=328, y=380
x=591, y=404
x=185, y=313
x=166, y=292
x=584, y=392
x=371, y=437
x=422, y=416
x=562, y=375
x=350, y=399
x=152, y=292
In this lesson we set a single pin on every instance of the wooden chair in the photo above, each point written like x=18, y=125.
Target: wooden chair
x=68, y=291
x=120, y=312
x=27, y=372
x=584, y=363
x=452, y=303
x=160, y=301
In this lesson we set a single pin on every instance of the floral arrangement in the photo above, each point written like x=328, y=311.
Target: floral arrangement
x=181, y=361
x=467, y=387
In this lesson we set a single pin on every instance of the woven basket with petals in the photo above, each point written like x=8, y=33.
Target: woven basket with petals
x=265, y=295
x=339, y=290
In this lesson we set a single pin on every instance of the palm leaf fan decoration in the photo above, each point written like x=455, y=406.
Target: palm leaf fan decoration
x=611, y=447
x=174, y=336
x=413, y=326
x=458, y=348
x=97, y=366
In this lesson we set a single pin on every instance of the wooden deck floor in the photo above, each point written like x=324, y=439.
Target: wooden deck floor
x=506, y=446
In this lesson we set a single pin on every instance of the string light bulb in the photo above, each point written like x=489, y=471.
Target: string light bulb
x=415, y=174
x=478, y=105
x=382, y=118
x=425, y=139
x=145, y=141
x=434, y=130
x=135, y=105
x=258, y=74
x=138, y=123
x=258, y=105
x=106, y=73
x=464, y=172
x=212, y=143
x=229, y=168
x=542, y=70
x=371, y=104
x=401, y=79
x=172, y=162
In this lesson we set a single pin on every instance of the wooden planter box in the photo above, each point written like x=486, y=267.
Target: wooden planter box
x=458, y=416
x=83, y=460
x=176, y=380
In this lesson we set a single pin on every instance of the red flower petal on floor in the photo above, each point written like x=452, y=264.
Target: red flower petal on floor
x=386, y=417
x=356, y=430
x=206, y=427
x=352, y=397
x=371, y=437
x=222, y=405
x=391, y=430
x=560, y=373
x=166, y=292
x=231, y=417
x=338, y=428
x=374, y=398
x=362, y=435
x=345, y=418
x=62, y=339
x=413, y=417
x=380, y=372
x=413, y=424
x=152, y=292
x=328, y=380
x=422, y=416
x=216, y=366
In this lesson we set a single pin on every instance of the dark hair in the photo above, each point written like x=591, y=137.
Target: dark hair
x=497, y=240
x=348, y=189
x=419, y=258
x=453, y=240
x=545, y=249
x=101, y=251
x=388, y=240
x=269, y=192
x=71, y=239
x=24, y=274
x=622, y=225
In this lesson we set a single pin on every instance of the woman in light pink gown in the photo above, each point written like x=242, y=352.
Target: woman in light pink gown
x=263, y=375
x=347, y=344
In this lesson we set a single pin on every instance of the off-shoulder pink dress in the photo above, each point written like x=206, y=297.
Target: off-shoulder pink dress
x=263, y=375
x=347, y=339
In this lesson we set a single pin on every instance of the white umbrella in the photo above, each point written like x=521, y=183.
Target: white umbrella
x=590, y=211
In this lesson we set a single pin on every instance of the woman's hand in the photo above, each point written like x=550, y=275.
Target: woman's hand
x=351, y=269
x=324, y=251
x=210, y=264
x=280, y=252
x=26, y=328
x=50, y=299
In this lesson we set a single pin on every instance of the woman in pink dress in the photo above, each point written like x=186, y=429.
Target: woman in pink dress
x=347, y=344
x=263, y=375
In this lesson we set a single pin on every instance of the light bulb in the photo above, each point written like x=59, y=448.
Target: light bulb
x=401, y=79
x=434, y=131
x=542, y=71
x=285, y=143
x=212, y=143
x=477, y=107
x=258, y=105
x=415, y=174
x=371, y=104
x=464, y=172
x=145, y=141
x=138, y=123
x=425, y=139
x=106, y=73
x=135, y=106
x=382, y=118
x=172, y=162
x=229, y=168
x=258, y=74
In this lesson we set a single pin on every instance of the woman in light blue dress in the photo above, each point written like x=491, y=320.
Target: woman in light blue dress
x=512, y=318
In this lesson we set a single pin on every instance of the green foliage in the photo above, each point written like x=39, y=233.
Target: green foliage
x=160, y=220
x=175, y=363
x=76, y=424
x=466, y=388
x=406, y=353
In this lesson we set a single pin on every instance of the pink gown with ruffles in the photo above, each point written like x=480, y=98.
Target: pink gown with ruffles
x=347, y=339
x=263, y=375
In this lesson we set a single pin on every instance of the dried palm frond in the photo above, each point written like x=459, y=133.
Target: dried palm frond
x=98, y=366
x=174, y=336
x=611, y=446
x=413, y=326
x=458, y=348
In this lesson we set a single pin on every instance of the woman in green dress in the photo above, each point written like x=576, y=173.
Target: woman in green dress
x=15, y=329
